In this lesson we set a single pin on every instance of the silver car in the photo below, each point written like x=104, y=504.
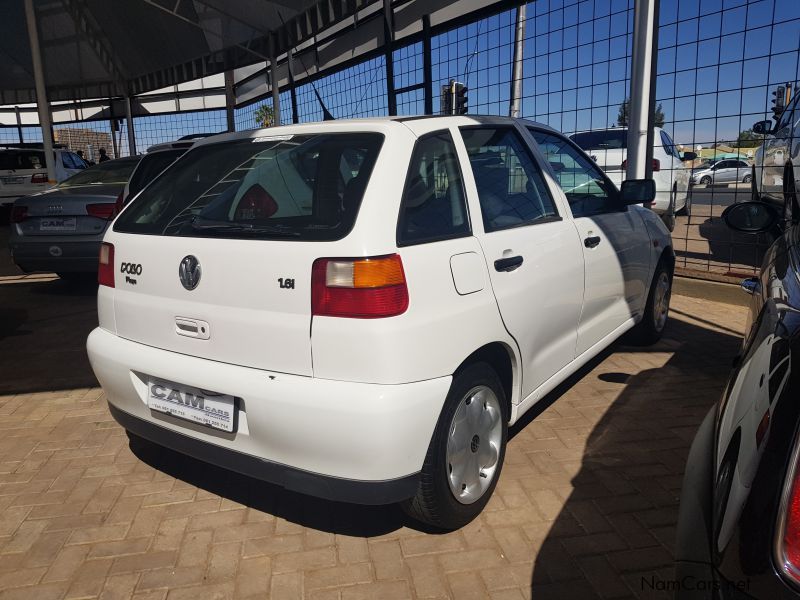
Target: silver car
x=60, y=229
x=723, y=171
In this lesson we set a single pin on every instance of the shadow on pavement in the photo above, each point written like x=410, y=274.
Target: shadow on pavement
x=43, y=331
x=615, y=532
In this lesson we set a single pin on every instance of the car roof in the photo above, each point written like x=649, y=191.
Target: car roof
x=378, y=124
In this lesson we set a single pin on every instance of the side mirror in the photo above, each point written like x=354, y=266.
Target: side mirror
x=762, y=127
x=689, y=156
x=638, y=191
x=750, y=217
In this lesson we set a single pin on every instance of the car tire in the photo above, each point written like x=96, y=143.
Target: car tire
x=654, y=320
x=705, y=180
x=686, y=211
x=454, y=486
x=754, y=197
x=747, y=178
x=669, y=217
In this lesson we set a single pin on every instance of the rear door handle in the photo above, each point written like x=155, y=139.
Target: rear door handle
x=507, y=264
x=591, y=241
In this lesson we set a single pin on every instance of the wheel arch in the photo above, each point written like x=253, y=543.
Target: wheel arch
x=503, y=359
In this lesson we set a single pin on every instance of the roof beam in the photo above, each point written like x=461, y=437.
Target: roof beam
x=175, y=14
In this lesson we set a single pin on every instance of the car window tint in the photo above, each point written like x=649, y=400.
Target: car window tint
x=587, y=190
x=282, y=186
x=433, y=205
x=511, y=188
x=149, y=167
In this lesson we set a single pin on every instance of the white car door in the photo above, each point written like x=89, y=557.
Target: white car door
x=615, y=242
x=532, y=250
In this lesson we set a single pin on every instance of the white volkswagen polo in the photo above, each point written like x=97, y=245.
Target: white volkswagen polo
x=358, y=310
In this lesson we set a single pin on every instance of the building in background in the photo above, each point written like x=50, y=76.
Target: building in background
x=88, y=140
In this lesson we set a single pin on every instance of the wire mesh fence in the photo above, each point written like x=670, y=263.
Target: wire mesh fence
x=719, y=62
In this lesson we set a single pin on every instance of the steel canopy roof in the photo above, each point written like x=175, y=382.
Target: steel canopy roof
x=112, y=48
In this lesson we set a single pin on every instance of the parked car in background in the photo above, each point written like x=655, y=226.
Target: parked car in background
x=403, y=255
x=157, y=158
x=60, y=230
x=608, y=148
x=726, y=170
x=739, y=523
x=23, y=171
x=776, y=165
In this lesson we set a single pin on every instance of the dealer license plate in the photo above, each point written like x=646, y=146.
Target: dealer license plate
x=57, y=224
x=191, y=404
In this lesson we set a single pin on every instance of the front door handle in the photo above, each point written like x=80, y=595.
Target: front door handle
x=507, y=264
x=591, y=241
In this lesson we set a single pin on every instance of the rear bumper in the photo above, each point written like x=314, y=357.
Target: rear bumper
x=55, y=255
x=353, y=442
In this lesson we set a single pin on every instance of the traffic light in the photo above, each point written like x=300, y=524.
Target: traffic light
x=460, y=93
x=447, y=99
x=778, y=102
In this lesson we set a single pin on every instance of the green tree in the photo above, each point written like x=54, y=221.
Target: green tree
x=624, y=108
x=265, y=116
x=748, y=139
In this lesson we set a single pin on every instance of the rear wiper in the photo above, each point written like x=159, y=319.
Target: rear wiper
x=212, y=225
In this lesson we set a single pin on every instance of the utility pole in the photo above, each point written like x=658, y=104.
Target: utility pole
x=515, y=110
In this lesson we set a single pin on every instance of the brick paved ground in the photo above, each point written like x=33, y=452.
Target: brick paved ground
x=585, y=507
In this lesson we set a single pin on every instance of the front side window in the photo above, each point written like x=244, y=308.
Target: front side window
x=511, y=189
x=587, y=190
x=298, y=187
x=434, y=205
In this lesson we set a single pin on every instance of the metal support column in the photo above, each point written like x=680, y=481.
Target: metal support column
x=274, y=84
x=41, y=91
x=515, y=109
x=388, y=45
x=292, y=91
x=19, y=125
x=427, y=70
x=643, y=72
x=113, y=124
x=230, y=101
x=129, y=124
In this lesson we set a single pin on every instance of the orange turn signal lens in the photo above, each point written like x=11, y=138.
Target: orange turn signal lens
x=378, y=272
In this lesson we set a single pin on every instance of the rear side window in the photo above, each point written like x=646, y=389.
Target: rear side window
x=511, y=188
x=303, y=187
x=66, y=160
x=434, y=205
x=150, y=166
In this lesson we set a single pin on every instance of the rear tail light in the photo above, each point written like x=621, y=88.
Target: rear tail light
x=787, y=542
x=39, y=178
x=105, y=270
x=102, y=211
x=18, y=213
x=656, y=165
x=364, y=288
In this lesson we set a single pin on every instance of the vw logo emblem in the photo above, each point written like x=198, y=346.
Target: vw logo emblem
x=189, y=272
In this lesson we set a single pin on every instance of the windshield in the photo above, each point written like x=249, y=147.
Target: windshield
x=150, y=166
x=110, y=172
x=12, y=160
x=612, y=139
x=285, y=186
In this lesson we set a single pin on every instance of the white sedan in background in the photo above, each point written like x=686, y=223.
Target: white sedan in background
x=608, y=148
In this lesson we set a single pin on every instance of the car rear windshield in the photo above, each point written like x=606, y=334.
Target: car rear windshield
x=601, y=140
x=11, y=160
x=303, y=187
x=150, y=166
x=109, y=172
